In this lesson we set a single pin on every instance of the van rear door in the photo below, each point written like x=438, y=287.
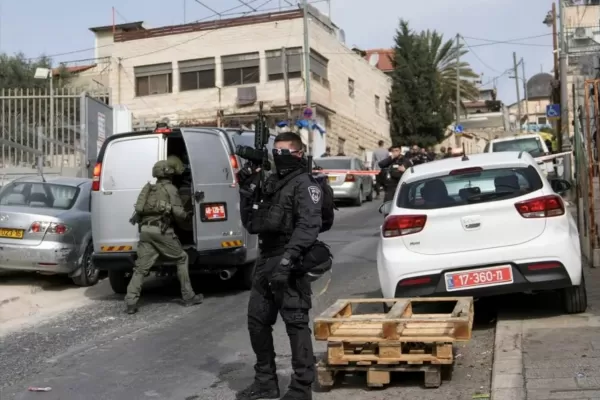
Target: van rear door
x=126, y=166
x=216, y=197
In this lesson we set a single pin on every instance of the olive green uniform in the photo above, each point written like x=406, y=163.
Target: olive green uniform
x=157, y=237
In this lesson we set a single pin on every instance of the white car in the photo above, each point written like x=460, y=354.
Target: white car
x=481, y=225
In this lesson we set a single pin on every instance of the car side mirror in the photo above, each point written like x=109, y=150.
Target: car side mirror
x=560, y=186
x=385, y=208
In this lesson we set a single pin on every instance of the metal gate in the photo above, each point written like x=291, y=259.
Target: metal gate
x=58, y=130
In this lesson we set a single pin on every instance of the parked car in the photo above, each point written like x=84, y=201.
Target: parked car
x=45, y=226
x=479, y=226
x=345, y=184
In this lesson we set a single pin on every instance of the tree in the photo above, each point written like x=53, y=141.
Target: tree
x=419, y=110
x=17, y=72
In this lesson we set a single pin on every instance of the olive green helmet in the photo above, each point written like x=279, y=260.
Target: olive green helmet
x=162, y=169
x=176, y=163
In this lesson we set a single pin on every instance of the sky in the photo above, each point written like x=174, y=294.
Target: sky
x=37, y=27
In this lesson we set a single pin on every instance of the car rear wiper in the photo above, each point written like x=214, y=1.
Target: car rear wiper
x=476, y=198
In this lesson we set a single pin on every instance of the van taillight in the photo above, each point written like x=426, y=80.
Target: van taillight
x=541, y=207
x=350, y=178
x=401, y=225
x=96, y=177
x=234, y=162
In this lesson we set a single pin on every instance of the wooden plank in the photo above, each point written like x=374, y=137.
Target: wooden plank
x=324, y=330
x=462, y=307
x=333, y=310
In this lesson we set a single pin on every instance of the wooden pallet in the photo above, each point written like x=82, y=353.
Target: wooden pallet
x=339, y=324
x=377, y=375
x=388, y=353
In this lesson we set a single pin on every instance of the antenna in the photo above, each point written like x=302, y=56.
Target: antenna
x=374, y=59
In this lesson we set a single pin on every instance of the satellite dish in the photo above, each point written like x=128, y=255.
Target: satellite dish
x=342, y=36
x=374, y=59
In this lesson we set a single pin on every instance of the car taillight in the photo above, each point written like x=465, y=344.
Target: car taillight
x=541, y=207
x=96, y=177
x=401, y=225
x=542, y=266
x=233, y=161
x=49, y=227
x=415, y=281
x=350, y=178
x=465, y=171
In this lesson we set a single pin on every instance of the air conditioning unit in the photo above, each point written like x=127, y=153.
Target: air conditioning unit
x=582, y=33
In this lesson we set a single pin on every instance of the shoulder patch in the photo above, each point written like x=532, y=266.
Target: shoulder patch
x=315, y=193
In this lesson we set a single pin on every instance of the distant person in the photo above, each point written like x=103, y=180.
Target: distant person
x=379, y=154
x=395, y=166
x=441, y=154
x=448, y=152
x=327, y=152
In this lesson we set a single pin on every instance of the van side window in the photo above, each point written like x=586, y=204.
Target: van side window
x=128, y=163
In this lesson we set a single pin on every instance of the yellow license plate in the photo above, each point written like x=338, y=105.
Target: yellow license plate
x=11, y=233
x=332, y=178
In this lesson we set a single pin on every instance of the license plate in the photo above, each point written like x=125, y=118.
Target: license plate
x=332, y=178
x=478, y=278
x=214, y=212
x=11, y=233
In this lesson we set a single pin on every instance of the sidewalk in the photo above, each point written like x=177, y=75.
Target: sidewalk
x=543, y=355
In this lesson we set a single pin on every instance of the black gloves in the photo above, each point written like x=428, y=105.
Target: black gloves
x=280, y=278
x=244, y=175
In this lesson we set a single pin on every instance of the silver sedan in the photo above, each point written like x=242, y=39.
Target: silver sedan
x=348, y=178
x=45, y=227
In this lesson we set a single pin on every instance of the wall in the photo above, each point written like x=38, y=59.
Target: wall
x=585, y=15
x=357, y=120
x=93, y=78
x=103, y=46
x=537, y=109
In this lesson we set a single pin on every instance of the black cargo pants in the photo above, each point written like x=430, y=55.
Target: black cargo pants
x=293, y=305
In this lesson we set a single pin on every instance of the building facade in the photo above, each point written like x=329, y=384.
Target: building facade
x=217, y=73
x=533, y=108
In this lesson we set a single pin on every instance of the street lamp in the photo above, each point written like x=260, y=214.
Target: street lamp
x=46, y=73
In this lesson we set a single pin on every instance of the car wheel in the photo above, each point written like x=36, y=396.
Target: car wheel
x=119, y=280
x=89, y=275
x=575, y=298
x=245, y=275
x=359, y=200
x=370, y=195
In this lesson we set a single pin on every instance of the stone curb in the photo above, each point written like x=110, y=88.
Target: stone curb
x=508, y=382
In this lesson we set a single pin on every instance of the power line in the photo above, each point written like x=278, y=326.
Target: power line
x=479, y=58
x=511, y=41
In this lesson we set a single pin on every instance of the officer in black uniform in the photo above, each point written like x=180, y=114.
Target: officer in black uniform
x=394, y=167
x=286, y=215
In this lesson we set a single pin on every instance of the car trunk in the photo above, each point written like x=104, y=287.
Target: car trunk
x=474, y=227
x=16, y=221
x=336, y=179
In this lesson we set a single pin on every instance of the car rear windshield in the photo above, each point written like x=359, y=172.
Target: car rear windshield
x=469, y=188
x=531, y=145
x=39, y=194
x=247, y=139
x=326, y=163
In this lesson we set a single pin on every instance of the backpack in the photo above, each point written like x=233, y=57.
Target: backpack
x=328, y=206
x=153, y=200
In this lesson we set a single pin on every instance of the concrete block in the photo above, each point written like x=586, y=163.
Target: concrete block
x=508, y=365
x=507, y=381
x=509, y=394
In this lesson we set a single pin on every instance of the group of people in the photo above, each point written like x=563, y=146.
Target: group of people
x=287, y=212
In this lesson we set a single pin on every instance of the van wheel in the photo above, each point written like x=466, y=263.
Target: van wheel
x=359, y=200
x=119, y=280
x=575, y=298
x=245, y=275
x=89, y=275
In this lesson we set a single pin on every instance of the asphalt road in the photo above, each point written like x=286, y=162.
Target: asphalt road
x=203, y=353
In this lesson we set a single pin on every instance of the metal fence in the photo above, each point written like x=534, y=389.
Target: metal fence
x=52, y=124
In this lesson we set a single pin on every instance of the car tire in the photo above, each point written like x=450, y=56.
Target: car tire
x=575, y=298
x=89, y=275
x=370, y=195
x=245, y=275
x=359, y=200
x=119, y=280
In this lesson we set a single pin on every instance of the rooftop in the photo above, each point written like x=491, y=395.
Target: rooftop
x=73, y=70
x=383, y=56
x=128, y=27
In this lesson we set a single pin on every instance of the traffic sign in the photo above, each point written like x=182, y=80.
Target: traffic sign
x=308, y=113
x=458, y=129
x=553, y=111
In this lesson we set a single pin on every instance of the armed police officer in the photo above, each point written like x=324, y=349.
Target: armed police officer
x=394, y=167
x=156, y=207
x=287, y=218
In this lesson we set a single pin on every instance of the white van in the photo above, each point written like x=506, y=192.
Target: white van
x=216, y=241
x=533, y=143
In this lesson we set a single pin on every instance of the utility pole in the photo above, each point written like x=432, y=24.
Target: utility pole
x=307, y=72
x=286, y=81
x=556, y=88
x=525, y=93
x=457, y=79
x=564, y=92
x=516, y=71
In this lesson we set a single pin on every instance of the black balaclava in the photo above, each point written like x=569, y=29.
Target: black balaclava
x=286, y=162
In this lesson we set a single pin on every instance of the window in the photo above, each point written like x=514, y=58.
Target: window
x=275, y=66
x=334, y=163
x=458, y=190
x=318, y=68
x=46, y=195
x=532, y=145
x=153, y=79
x=197, y=74
x=351, y=87
x=542, y=121
x=241, y=69
x=377, y=104
x=388, y=110
x=341, y=145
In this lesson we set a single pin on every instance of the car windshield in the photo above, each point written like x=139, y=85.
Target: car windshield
x=531, y=145
x=461, y=189
x=247, y=139
x=333, y=163
x=39, y=194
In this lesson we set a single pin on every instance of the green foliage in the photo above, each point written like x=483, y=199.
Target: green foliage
x=17, y=72
x=423, y=95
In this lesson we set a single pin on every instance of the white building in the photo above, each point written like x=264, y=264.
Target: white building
x=216, y=72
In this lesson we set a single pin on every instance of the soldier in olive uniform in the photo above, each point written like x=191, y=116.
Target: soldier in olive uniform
x=157, y=205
